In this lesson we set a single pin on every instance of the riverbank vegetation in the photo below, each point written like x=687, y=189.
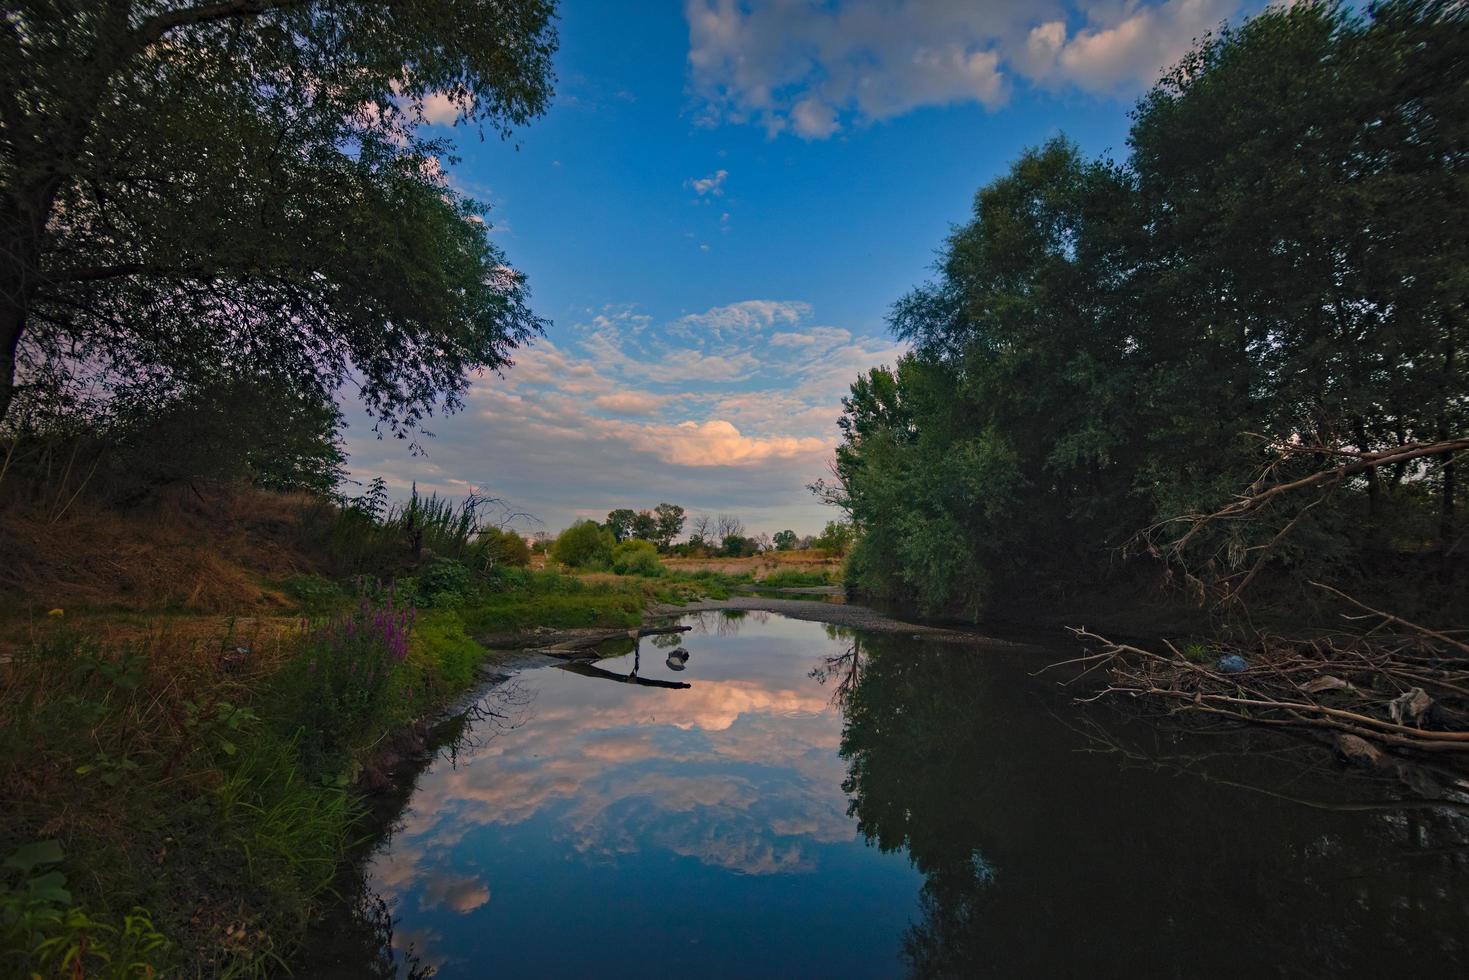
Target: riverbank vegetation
x=1231, y=368
x=182, y=767
x=1267, y=285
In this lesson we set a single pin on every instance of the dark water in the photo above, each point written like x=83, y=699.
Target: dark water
x=818, y=803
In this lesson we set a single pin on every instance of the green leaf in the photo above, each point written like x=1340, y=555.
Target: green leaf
x=31, y=855
x=50, y=887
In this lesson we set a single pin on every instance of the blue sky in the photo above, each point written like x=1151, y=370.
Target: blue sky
x=716, y=214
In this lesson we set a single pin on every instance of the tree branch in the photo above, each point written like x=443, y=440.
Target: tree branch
x=153, y=29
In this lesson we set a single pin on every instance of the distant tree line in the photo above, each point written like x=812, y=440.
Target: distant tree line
x=589, y=544
x=1275, y=279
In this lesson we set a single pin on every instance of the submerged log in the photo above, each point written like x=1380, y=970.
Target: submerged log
x=591, y=670
x=578, y=644
x=546, y=640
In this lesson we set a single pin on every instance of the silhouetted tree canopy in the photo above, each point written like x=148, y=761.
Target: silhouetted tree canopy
x=193, y=187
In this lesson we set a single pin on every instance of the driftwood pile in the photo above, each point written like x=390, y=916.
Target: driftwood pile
x=1396, y=687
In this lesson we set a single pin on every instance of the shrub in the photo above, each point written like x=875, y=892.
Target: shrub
x=313, y=593
x=836, y=538
x=344, y=673
x=793, y=578
x=504, y=547
x=636, y=557
x=445, y=582
x=586, y=544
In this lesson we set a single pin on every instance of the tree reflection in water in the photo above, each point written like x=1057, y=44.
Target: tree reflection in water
x=1041, y=858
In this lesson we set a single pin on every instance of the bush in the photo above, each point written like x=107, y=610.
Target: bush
x=586, y=544
x=445, y=582
x=636, y=557
x=504, y=547
x=836, y=538
x=313, y=593
x=343, y=677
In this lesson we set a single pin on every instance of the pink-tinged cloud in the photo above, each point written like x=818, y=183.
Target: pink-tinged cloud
x=631, y=402
x=439, y=109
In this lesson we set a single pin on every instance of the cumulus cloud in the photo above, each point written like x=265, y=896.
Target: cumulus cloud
x=811, y=69
x=728, y=409
x=610, y=775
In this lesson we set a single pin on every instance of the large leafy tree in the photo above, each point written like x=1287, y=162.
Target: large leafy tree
x=187, y=187
x=620, y=523
x=669, y=521
x=1278, y=264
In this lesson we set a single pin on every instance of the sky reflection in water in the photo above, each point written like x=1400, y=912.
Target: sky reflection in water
x=651, y=829
x=610, y=829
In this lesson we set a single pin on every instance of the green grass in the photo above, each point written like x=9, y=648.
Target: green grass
x=200, y=804
x=175, y=783
x=194, y=805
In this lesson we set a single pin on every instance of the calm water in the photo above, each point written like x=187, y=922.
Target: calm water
x=817, y=803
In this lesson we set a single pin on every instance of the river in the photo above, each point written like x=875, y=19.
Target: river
x=822, y=802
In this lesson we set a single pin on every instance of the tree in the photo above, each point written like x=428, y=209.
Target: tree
x=701, y=531
x=726, y=525
x=191, y=187
x=835, y=538
x=670, y=521
x=503, y=546
x=738, y=546
x=1108, y=345
x=645, y=526
x=784, y=540
x=586, y=544
x=620, y=523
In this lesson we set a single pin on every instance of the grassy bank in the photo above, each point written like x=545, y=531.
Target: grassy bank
x=182, y=782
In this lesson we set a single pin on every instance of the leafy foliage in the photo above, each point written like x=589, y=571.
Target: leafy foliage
x=504, y=547
x=585, y=544
x=1110, y=345
x=192, y=188
x=636, y=557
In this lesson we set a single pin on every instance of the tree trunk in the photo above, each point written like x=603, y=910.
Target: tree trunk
x=1446, y=527
x=20, y=233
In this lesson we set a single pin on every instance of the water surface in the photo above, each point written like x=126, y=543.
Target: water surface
x=819, y=803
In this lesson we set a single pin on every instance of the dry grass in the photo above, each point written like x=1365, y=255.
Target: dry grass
x=187, y=552
x=762, y=565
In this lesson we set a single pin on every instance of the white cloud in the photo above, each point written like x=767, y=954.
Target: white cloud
x=814, y=119
x=813, y=68
x=439, y=109
x=730, y=409
x=631, y=402
x=745, y=316
x=712, y=184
